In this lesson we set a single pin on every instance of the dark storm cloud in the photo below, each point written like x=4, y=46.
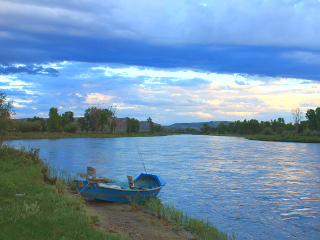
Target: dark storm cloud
x=272, y=38
x=268, y=61
x=7, y=70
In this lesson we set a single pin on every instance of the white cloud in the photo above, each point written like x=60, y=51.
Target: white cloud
x=220, y=98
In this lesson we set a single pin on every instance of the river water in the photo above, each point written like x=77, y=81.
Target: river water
x=253, y=189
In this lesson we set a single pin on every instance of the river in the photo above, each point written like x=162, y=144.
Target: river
x=253, y=189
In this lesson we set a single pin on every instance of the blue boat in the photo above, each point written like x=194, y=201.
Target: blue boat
x=145, y=186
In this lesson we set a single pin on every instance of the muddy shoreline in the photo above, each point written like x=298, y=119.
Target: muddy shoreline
x=124, y=219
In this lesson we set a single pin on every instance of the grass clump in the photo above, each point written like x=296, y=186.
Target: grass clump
x=33, y=209
x=200, y=228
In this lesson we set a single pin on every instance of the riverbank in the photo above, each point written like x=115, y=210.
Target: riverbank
x=55, y=135
x=275, y=138
x=126, y=220
x=285, y=138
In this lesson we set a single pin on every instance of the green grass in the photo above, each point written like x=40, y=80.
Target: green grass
x=200, y=228
x=32, y=209
x=285, y=138
x=48, y=135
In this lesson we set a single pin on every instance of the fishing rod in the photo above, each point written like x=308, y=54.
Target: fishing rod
x=142, y=159
x=144, y=166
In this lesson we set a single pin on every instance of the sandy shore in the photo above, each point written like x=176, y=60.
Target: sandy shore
x=124, y=219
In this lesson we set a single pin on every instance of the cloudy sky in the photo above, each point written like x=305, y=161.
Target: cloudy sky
x=173, y=61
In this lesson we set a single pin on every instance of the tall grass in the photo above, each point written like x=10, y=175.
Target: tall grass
x=32, y=209
x=200, y=228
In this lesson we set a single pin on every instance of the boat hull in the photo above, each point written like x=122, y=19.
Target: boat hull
x=120, y=191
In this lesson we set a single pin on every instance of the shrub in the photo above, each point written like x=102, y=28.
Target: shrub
x=267, y=131
x=29, y=127
x=287, y=133
x=315, y=134
x=71, y=128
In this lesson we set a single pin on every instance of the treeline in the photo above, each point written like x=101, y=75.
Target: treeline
x=94, y=120
x=310, y=127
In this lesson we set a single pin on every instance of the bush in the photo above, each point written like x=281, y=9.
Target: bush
x=287, y=133
x=315, y=134
x=267, y=131
x=71, y=128
x=29, y=127
x=306, y=132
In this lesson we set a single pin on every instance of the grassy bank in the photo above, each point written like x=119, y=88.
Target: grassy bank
x=285, y=138
x=33, y=209
x=48, y=135
x=276, y=137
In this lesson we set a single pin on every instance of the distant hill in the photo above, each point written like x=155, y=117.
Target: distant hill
x=196, y=125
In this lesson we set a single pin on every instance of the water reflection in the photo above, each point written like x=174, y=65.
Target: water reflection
x=257, y=190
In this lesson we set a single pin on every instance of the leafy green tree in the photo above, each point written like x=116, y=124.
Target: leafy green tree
x=222, y=128
x=158, y=128
x=54, y=121
x=253, y=127
x=92, y=116
x=151, y=124
x=66, y=118
x=84, y=126
x=105, y=114
x=133, y=125
x=190, y=130
x=6, y=110
x=313, y=117
x=205, y=128
x=96, y=119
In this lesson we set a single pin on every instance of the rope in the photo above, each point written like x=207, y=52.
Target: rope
x=83, y=188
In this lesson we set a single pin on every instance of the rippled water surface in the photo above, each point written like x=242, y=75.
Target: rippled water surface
x=256, y=190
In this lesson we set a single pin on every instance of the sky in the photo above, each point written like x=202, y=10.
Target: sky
x=174, y=61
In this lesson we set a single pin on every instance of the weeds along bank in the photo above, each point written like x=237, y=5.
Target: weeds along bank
x=33, y=209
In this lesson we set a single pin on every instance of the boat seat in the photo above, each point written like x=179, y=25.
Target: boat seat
x=130, y=180
x=131, y=183
x=92, y=175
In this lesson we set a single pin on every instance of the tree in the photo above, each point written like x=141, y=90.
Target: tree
x=205, y=128
x=133, y=125
x=92, y=116
x=5, y=114
x=297, y=116
x=83, y=124
x=151, y=124
x=54, y=121
x=313, y=117
x=96, y=119
x=67, y=118
x=105, y=114
x=112, y=119
x=221, y=128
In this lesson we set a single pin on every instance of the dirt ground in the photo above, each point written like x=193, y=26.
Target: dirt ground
x=124, y=219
